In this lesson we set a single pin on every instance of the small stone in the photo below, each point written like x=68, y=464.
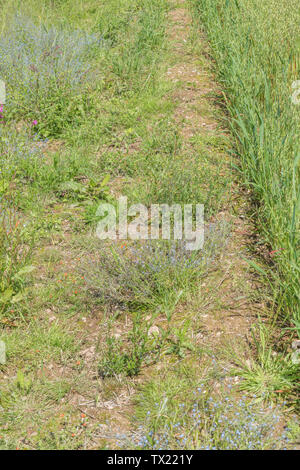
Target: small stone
x=295, y=358
x=153, y=331
x=296, y=344
x=88, y=353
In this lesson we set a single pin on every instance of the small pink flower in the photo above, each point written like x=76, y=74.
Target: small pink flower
x=34, y=123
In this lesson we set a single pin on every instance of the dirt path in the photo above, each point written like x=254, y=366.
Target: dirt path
x=228, y=307
x=230, y=317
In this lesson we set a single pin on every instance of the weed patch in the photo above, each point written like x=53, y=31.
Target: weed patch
x=152, y=274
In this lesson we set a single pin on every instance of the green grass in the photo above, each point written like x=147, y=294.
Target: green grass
x=256, y=68
x=268, y=374
x=153, y=274
x=85, y=321
x=182, y=411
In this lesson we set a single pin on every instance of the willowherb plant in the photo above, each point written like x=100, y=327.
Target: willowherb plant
x=127, y=355
x=14, y=257
x=20, y=151
x=33, y=51
x=42, y=67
